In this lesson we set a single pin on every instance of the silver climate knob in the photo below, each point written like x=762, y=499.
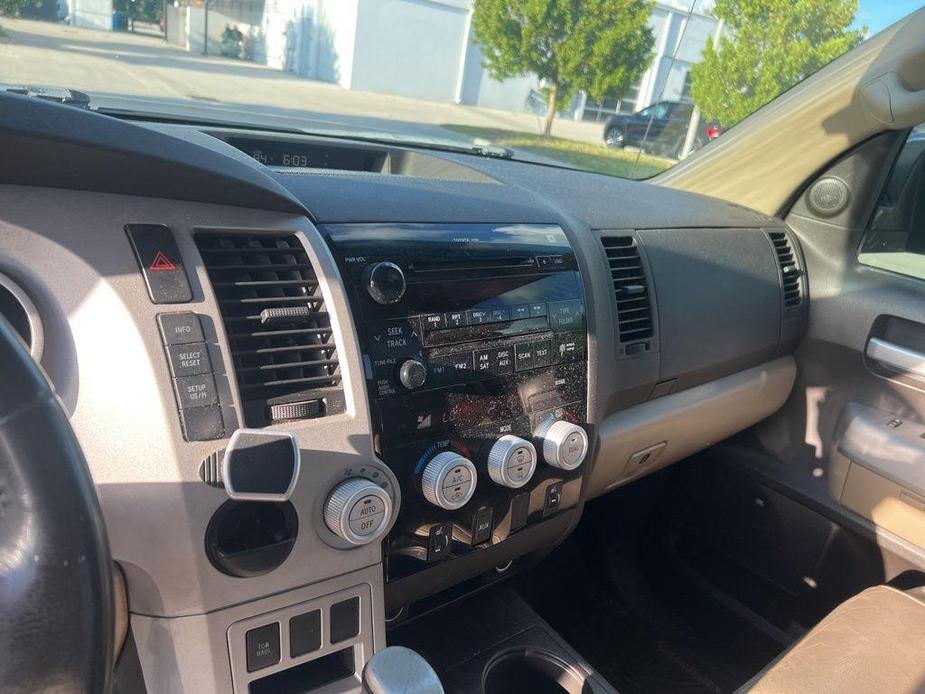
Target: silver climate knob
x=358, y=510
x=448, y=480
x=565, y=445
x=511, y=461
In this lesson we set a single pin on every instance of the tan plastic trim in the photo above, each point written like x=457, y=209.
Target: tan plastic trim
x=878, y=86
x=679, y=425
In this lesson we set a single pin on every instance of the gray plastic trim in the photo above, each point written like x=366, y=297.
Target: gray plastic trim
x=250, y=496
x=37, y=342
x=897, y=358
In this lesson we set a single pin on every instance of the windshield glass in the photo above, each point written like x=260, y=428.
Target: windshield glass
x=620, y=87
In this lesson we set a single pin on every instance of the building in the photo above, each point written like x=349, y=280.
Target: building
x=424, y=49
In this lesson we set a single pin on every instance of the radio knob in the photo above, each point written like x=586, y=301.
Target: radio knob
x=385, y=282
x=511, y=461
x=358, y=510
x=412, y=374
x=448, y=480
x=565, y=445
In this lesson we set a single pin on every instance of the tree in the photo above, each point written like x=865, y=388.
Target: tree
x=12, y=8
x=766, y=48
x=601, y=46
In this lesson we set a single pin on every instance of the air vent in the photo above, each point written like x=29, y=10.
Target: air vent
x=790, y=270
x=630, y=286
x=278, y=329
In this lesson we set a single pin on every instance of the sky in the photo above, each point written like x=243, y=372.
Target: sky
x=879, y=14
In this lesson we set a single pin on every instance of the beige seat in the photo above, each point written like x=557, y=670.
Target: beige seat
x=874, y=642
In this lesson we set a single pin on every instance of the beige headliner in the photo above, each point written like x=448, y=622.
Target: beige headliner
x=765, y=159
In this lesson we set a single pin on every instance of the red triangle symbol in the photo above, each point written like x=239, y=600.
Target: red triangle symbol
x=161, y=262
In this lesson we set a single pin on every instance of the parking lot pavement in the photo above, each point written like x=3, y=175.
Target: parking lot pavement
x=43, y=53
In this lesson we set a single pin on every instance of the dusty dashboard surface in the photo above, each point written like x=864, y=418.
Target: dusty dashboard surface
x=447, y=367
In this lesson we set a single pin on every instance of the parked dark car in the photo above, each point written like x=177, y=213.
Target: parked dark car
x=666, y=125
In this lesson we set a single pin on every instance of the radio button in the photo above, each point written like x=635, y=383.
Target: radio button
x=525, y=356
x=457, y=319
x=520, y=312
x=569, y=347
x=479, y=316
x=542, y=353
x=385, y=282
x=566, y=315
x=434, y=321
x=452, y=368
x=412, y=374
x=494, y=361
x=500, y=315
x=537, y=310
x=393, y=338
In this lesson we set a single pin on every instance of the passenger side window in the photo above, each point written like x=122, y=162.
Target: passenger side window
x=895, y=240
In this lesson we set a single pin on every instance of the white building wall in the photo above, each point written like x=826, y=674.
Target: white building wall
x=92, y=14
x=409, y=47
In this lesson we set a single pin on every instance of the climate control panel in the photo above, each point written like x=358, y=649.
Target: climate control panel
x=474, y=345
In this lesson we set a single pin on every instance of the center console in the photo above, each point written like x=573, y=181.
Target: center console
x=474, y=346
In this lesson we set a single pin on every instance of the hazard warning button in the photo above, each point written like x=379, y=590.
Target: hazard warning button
x=160, y=262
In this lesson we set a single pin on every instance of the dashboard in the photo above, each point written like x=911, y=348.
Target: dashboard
x=318, y=381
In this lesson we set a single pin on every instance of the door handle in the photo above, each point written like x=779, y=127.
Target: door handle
x=902, y=359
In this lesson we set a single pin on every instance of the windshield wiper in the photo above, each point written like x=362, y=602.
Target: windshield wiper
x=59, y=95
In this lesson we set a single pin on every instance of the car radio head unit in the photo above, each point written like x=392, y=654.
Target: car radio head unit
x=475, y=350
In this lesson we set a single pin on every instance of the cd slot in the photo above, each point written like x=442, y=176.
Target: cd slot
x=425, y=265
x=484, y=332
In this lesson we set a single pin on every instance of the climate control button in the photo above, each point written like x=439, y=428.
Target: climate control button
x=448, y=480
x=511, y=461
x=358, y=510
x=565, y=445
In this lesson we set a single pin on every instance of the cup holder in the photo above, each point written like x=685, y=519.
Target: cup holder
x=532, y=670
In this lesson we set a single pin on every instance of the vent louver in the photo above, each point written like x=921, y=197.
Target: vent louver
x=790, y=270
x=631, y=287
x=278, y=330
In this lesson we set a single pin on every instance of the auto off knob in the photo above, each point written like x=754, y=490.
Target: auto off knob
x=358, y=510
x=384, y=282
x=565, y=445
x=448, y=480
x=511, y=461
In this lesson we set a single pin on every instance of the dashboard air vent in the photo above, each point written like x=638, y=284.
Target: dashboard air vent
x=790, y=270
x=630, y=286
x=279, y=332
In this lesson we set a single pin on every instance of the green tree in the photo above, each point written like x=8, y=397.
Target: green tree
x=766, y=48
x=601, y=46
x=12, y=8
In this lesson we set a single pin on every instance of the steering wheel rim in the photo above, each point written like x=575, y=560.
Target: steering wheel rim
x=56, y=585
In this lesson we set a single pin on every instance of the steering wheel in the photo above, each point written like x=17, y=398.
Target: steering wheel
x=56, y=584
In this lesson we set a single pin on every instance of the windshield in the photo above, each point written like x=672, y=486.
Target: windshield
x=621, y=87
